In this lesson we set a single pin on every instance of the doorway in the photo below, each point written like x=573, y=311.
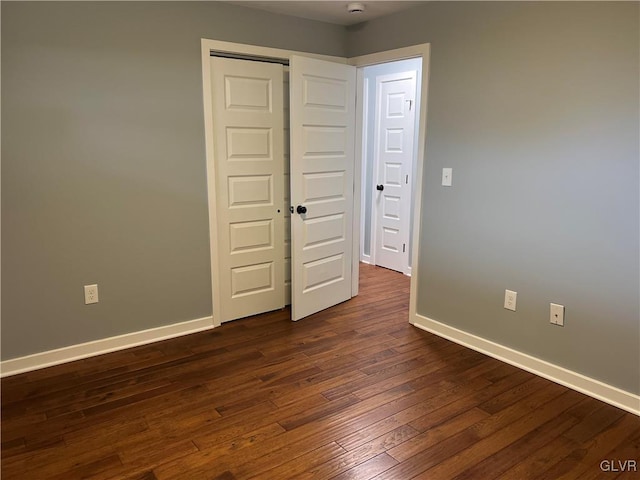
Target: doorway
x=391, y=97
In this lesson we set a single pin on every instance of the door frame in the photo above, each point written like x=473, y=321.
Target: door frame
x=415, y=51
x=254, y=51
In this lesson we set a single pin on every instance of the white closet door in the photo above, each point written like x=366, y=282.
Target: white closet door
x=248, y=138
x=322, y=104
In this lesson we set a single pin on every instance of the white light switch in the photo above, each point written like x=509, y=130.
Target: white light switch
x=447, y=174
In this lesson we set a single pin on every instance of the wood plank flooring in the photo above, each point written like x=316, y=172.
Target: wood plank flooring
x=353, y=392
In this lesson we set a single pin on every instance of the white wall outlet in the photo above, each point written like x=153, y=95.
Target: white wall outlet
x=90, y=294
x=510, y=298
x=447, y=177
x=556, y=314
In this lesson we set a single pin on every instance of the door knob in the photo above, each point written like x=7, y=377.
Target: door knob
x=301, y=209
x=380, y=187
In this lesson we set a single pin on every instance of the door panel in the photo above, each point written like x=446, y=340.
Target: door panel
x=250, y=191
x=395, y=117
x=248, y=138
x=322, y=103
x=252, y=279
x=251, y=236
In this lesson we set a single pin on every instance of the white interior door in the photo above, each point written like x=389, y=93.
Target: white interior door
x=395, y=123
x=322, y=104
x=248, y=145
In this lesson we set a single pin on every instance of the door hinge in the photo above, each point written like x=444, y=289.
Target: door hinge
x=404, y=245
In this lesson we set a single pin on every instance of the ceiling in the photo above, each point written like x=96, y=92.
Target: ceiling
x=331, y=11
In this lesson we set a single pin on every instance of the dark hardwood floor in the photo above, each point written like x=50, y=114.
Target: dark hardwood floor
x=353, y=392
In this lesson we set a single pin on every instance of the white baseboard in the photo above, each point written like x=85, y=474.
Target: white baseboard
x=98, y=347
x=576, y=381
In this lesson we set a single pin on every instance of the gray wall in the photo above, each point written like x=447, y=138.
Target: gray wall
x=535, y=106
x=103, y=161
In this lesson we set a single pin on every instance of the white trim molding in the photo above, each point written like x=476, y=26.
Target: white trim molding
x=99, y=347
x=576, y=381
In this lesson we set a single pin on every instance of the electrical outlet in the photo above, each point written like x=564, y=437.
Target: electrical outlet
x=556, y=314
x=510, y=298
x=90, y=294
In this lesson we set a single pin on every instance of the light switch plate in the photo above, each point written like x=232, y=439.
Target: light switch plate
x=447, y=174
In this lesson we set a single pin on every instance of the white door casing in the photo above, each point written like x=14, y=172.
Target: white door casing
x=248, y=143
x=395, y=123
x=322, y=104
